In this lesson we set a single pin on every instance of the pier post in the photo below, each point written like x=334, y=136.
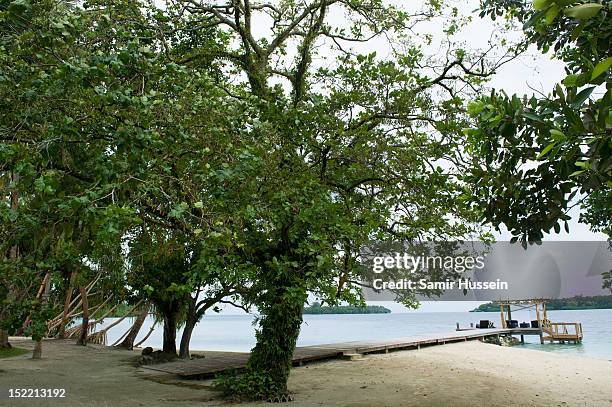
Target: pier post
x=522, y=338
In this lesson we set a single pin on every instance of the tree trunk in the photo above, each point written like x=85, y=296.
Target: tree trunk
x=192, y=320
x=128, y=342
x=38, y=336
x=4, y=339
x=272, y=356
x=85, y=324
x=14, y=252
x=62, y=328
x=170, y=318
x=37, y=353
x=13, y=255
x=186, y=337
x=147, y=335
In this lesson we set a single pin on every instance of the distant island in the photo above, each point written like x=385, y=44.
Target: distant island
x=318, y=309
x=574, y=303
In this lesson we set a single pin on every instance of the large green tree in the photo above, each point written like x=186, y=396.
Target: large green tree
x=342, y=147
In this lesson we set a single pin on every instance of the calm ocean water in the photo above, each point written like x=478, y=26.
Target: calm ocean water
x=236, y=332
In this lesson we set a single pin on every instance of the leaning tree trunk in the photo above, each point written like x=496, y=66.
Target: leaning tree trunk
x=85, y=323
x=190, y=323
x=128, y=342
x=186, y=337
x=147, y=335
x=272, y=356
x=62, y=328
x=170, y=317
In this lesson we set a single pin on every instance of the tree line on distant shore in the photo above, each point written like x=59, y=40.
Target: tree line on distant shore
x=575, y=303
x=317, y=309
x=178, y=158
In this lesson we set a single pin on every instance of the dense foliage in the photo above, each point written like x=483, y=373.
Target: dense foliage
x=538, y=156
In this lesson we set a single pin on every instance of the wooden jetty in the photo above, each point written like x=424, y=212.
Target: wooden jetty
x=217, y=362
x=214, y=363
x=561, y=332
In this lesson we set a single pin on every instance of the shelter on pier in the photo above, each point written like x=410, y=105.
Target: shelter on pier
x=550, y=331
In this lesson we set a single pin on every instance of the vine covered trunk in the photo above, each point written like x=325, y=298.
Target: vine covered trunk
x=271, y=358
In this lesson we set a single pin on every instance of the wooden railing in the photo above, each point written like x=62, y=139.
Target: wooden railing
x=561, y=328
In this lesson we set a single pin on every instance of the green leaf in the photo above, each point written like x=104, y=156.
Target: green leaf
x=571, y=81
x=541, y=4
x=557, y=135
x=573, y=174
x=576, y=31
x=198, y=205
x=559, y=92
x=535, y=17
x=475, y=108
x=582, y=96
x=582, y=164
x=532, y=116
x=551, y=14
x=178, y=210
x=546, y=150
x=601, y=67
x=584, y=11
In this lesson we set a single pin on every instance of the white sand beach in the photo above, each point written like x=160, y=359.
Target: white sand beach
x=460, y=374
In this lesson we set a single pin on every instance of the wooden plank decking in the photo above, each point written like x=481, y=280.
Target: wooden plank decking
x=217, y=362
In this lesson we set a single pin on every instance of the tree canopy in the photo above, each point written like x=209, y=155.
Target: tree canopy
x=538, y=156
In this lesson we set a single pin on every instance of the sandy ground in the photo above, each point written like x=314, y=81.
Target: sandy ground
x=461, y=374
